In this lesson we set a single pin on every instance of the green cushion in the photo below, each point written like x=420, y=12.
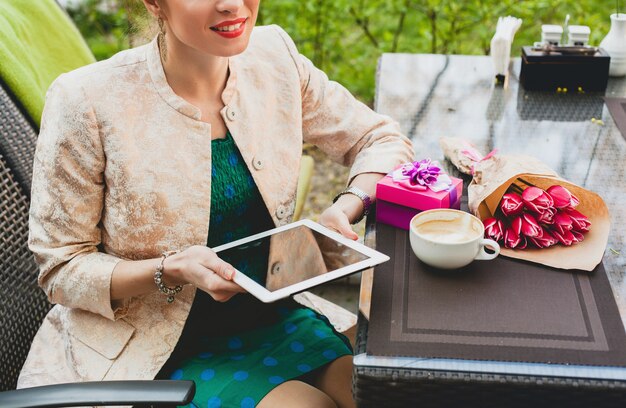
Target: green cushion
x=38, y=42
x=304, y=184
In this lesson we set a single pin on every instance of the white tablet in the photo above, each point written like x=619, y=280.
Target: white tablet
x=287, y=260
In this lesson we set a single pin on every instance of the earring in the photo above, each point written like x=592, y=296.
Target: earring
x=161, y=39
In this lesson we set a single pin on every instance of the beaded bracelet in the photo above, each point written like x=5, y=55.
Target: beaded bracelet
x=158, y=279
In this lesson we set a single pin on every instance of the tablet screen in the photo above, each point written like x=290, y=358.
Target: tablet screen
x=289, y=257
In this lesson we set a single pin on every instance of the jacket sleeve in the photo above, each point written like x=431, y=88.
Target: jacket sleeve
x=347, y=130
x=66, y=204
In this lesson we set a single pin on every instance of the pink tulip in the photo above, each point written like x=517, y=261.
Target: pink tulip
x=578, y=236
x=562, y=197
x=494, y=229
x=547, y=217
x=562, y=222
x=511, y=204
x=566, y=238
x=580, y=222
x=516, y=224
x=537, y=200
x=513, y=239
x=543, y=241
x=530, y=227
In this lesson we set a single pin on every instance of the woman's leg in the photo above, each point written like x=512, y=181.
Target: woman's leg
x=335, y=380
x=296, y=394
x=351, y=335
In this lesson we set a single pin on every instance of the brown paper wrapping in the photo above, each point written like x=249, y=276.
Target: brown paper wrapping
x=492, y=177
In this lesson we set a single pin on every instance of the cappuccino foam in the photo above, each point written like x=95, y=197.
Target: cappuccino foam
x=447, y=231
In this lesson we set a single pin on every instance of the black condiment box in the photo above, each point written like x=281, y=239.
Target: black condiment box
x=549, y=72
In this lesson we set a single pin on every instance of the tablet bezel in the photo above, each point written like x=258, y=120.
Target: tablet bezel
x=373, y=258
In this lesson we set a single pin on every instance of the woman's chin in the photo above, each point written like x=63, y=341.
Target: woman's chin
x=228, y=50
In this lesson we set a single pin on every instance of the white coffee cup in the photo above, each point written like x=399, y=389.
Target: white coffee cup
x=449, y=239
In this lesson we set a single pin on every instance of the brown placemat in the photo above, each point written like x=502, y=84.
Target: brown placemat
x=617, y=108
x=505, y=310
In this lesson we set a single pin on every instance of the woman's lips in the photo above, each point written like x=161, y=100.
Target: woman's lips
x=231, y=28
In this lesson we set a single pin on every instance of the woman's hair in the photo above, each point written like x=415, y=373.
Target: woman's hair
x=143, y=25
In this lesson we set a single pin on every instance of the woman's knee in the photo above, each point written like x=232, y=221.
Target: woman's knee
x=335, y=380
x=296, y=394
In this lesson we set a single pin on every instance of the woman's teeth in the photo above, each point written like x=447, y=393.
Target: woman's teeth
x=229, y=28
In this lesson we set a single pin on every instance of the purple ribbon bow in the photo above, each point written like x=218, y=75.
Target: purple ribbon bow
x=421, y=172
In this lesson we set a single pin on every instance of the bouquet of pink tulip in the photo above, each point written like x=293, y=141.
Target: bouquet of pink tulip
x=537, y=218
x=530, y=210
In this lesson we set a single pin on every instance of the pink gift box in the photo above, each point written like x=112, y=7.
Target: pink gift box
x=395, y=205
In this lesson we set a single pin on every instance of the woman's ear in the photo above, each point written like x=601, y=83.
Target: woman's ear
x=153, y=7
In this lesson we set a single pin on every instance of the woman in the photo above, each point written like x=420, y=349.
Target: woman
x=197, y=134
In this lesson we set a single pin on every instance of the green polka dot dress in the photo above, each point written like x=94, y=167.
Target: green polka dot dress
x=238, y=351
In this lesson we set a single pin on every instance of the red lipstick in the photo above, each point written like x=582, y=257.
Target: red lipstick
x=230, y=34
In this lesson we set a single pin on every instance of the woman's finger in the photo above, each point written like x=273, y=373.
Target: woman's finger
x=219, y=266
x=335, y=219
x=211, y=282
x=347, y=231
x=215, y=283
x=220, y=289
x=342, y=225
x=222, y=296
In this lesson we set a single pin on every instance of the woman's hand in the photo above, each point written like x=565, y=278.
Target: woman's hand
x=349, y=207
x=201, y=267
x=336, y=218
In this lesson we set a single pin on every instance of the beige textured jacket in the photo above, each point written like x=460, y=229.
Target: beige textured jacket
x=122, y=171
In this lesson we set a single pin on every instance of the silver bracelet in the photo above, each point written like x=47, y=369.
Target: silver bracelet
x=158, y=279
x=365, y=199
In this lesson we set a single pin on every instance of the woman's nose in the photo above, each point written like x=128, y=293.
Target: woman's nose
x=229, y=6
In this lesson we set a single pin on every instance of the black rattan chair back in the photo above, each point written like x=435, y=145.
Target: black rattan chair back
x=23, y=304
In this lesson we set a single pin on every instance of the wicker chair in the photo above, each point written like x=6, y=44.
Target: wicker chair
x=23, y=305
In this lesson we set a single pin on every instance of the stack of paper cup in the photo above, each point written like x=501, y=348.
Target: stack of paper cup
x=578, y=35
x=551, y=34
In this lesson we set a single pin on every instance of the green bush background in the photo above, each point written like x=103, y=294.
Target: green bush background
x=345, y=38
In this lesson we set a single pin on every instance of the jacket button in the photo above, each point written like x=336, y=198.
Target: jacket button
x=275, y=268
x=257, y=163
x=230, y=113
x=281, y=211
